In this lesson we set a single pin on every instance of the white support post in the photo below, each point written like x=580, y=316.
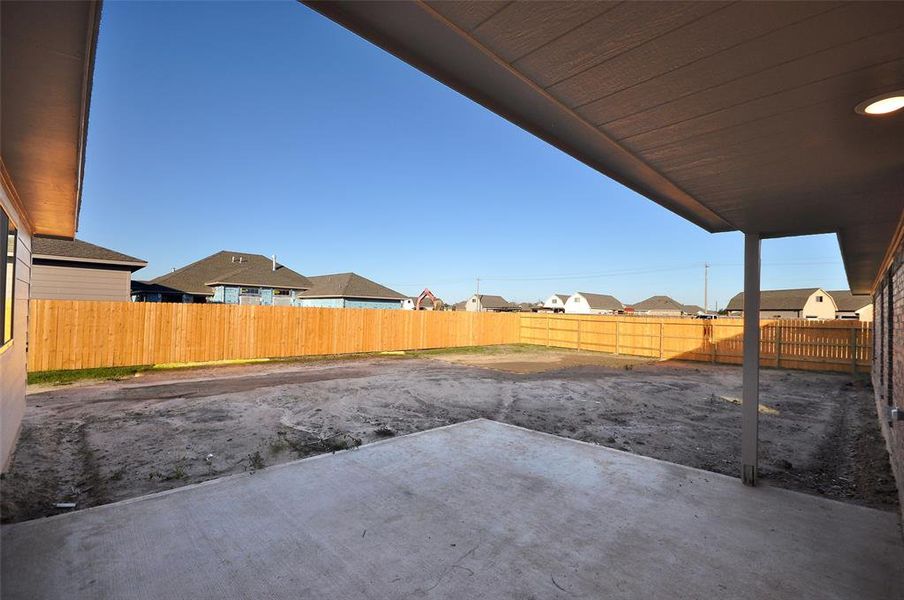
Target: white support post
x=751, y=395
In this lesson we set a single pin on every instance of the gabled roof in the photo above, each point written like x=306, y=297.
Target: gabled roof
x=563, y=298
x=489, y=301
x=232, y=268
x=794, y=299
x=659, y=303
x=349, y=285
x=602, y=301
x=80, y=251
x=693, y=309
x=426, y=302
x=846, y=301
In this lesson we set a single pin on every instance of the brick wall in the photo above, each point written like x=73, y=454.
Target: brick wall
x=888, y=363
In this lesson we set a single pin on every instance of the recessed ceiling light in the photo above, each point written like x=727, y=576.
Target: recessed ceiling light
x=882, y=105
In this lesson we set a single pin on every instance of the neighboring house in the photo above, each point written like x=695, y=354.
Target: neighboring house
x=463, y=305
x=76, y=270
x=488, y=303
x=584, y=303
x=349, y=290
x=801, y=303
x=556, y=302
x=693, y=309
x=410, y=303
x=659, y=306
x=849, y=306
x=227, y=278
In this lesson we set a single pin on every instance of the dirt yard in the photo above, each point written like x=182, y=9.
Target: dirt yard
x=99, y=442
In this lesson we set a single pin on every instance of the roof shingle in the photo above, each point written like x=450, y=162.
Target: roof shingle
x=602, y=301
x=348, y=285
x=793, y=299
x=232, y=268
x=79, y=249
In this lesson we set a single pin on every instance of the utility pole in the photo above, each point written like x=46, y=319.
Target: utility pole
x=705, y=287
x=478, y=285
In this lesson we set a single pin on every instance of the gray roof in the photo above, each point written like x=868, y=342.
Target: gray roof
x=847, y=301
x=794, y=299
x=693, y=309
x=80, y=251
x=349, y=285
x=232, y=268
x=563, y=297
x=489, y=301
x=602, y=301
x=659, y=303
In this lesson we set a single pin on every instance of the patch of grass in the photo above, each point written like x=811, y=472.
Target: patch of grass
x=280, y=444
x=384, y=432
x=341, y=441
x=177, y=473
x=64, y=377
x=501, y=349
x=256, y=461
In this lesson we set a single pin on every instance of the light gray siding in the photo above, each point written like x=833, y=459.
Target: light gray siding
x=12, y=355
x=53, y=282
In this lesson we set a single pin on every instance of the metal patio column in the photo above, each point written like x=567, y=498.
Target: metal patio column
x=751, y=395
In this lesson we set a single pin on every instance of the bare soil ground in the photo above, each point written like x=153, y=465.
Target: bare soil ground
x=98, y=442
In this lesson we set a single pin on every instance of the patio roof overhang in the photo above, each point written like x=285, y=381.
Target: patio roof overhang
x=47, y=60
x=733, y=116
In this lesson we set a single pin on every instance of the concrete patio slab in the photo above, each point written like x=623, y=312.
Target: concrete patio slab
x=475, y=510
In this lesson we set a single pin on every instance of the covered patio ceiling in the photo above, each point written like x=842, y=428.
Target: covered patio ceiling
x=45, y=75
x=736, y=116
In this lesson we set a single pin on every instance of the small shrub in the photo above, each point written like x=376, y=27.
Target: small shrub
x=256, y=461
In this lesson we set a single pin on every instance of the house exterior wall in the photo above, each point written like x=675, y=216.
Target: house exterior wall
x=555, y=303
x=660, y=313
x=387, y=304
x=321, y=302
x=888, y=360
x=473, y=304
x=12, y=355
x=864, y=314
x=814, y=309
x=58, y=282
x=577, y=305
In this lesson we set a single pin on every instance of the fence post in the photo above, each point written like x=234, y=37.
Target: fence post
x=547, y=331
x=853, y=350
x=778, y=345
x=579, y=333
x=616, y=337
x=712, y=343
x=660, y=339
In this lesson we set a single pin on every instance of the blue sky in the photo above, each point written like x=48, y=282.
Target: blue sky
x=266, y=128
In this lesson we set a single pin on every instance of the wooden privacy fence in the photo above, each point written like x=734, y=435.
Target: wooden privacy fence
x=793, y=344
x=66, y=334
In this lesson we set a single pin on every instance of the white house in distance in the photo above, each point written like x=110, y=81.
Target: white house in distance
x=556, y=302
x=801, y=303
x=849, y=306
x=488, y=303
x=583, y=303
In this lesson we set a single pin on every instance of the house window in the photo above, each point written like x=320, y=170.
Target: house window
x=250, y=291
x=819, y=298
x=7, y=276
x=577, y=298
x=555, y=300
